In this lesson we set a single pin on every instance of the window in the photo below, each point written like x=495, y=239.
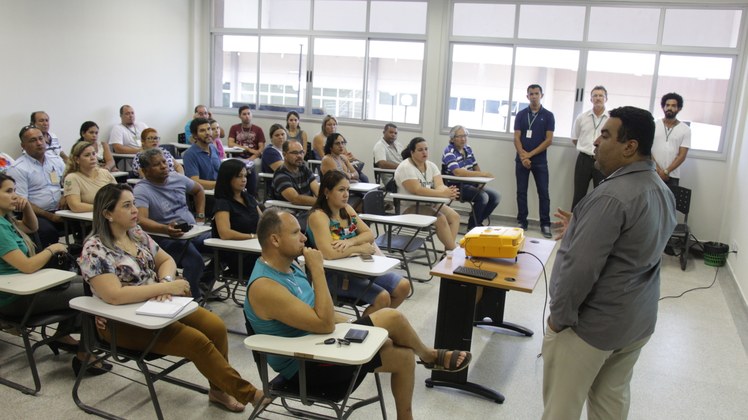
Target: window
x=283, y=55
x=637, y=50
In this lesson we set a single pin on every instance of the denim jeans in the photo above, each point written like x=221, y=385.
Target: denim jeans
x=187, y=255
x=540, y=174
x=484, y=202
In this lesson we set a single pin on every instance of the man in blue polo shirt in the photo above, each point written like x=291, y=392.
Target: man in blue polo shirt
x=201, y=161
x=533, y=133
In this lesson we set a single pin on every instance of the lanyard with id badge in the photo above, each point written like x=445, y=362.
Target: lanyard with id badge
x=530, y=122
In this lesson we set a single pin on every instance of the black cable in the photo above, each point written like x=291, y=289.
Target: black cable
x=695, y=288
x=545, y=280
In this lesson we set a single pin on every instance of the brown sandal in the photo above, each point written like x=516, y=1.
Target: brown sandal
x=441, y=354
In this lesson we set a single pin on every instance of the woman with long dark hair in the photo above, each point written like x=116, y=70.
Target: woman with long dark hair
x=338, y=232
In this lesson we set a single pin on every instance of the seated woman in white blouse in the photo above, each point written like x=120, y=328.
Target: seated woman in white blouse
x=418, y=176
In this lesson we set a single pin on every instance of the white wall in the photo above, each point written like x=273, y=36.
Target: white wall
x=82, y=59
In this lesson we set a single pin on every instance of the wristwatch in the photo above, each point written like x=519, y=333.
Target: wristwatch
x=667, y=173
x=167, y=279
x=201, y=215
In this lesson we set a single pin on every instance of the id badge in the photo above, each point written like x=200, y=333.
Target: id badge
x=529, y=134
x=53, y=178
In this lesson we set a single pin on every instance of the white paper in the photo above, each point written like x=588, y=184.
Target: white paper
x=165, y=309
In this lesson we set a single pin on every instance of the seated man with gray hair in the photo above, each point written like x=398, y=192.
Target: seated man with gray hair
x=161, y=199
x=458, y=160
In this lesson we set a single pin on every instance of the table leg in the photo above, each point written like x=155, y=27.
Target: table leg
x=491, y=306
x=454, y=330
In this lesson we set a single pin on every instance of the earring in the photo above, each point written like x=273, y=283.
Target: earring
x=110, y=219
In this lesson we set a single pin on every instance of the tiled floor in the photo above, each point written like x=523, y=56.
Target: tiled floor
x=694, y=367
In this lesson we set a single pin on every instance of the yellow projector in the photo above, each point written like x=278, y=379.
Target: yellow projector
x=493, y=242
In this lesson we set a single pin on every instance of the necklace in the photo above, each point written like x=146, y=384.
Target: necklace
x=287, y=277
x=668, y=131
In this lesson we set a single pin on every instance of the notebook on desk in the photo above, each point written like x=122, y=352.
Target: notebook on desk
x=165, y=309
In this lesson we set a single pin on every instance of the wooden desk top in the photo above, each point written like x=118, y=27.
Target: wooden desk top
x=306, y=347
x=525, y=271
x=28, y=284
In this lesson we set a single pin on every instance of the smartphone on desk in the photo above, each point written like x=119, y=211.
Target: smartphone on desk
x=366, y=258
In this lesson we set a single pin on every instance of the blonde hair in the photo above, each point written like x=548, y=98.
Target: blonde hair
x=76, y=152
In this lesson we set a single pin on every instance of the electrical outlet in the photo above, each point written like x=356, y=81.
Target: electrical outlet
x=734, y=247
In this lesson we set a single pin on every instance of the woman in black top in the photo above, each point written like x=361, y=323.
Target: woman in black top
x=236, y=211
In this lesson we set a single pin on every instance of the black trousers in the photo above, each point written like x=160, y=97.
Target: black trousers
x=584, y=171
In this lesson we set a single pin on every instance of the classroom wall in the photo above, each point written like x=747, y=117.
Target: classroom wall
x=81, y=60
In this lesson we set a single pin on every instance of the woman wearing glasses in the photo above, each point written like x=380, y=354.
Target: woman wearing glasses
x=335, y=158
x=150, y=140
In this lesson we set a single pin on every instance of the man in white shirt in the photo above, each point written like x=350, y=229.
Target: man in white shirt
x=587, y=128
x=38, y=176
x=672, y=140
x=40, y=120
x=387, y=151
x=125, y=137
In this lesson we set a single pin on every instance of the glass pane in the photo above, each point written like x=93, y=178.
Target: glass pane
x=702, y=28
x=283, y=63
x=490, y=20
x=483, y=73
x=398, y=17
x=556, y=72
x=560, y=23
x=235, y=13
x=626, y=76
x=703, y=83
x=624, y=24
x=339, y=67
x=340, y=15
x=286, y=14
x=395, y=71
x=236, y=63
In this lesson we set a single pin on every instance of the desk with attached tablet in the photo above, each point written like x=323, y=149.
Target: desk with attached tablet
x=31, y=284
x=478, y=182
x=457, y=312
x=83, y=221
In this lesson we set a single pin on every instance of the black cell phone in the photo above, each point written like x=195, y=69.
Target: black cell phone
x=356, y=336
x=184, y=226
x=367, y=258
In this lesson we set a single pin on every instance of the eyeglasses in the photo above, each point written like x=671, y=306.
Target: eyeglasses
x=296, y=152
x=153, y=138
x=461, y=136
x=26, y=128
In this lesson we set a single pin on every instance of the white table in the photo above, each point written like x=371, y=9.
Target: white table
x=133, y=181
x=405, y=220
x=363, y=187
x=25, y=285
x=126, y=313
x=286, y=205
x=355, y=265
x=196, y=230
x=306, y=347
x=28, y=284
x=118, y=174
x=378, y=172
x=418, y=199
x=86, y=218
x=266, y=175
x=468, y=179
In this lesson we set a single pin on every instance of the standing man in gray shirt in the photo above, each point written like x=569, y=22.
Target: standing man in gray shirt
x=606, y=279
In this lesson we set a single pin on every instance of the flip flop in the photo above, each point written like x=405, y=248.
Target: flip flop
x=441, y=354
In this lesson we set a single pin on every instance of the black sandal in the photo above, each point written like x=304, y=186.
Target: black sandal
x=441, y=354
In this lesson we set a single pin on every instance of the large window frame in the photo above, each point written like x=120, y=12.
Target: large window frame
x=361, y=101
x=657, y=47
